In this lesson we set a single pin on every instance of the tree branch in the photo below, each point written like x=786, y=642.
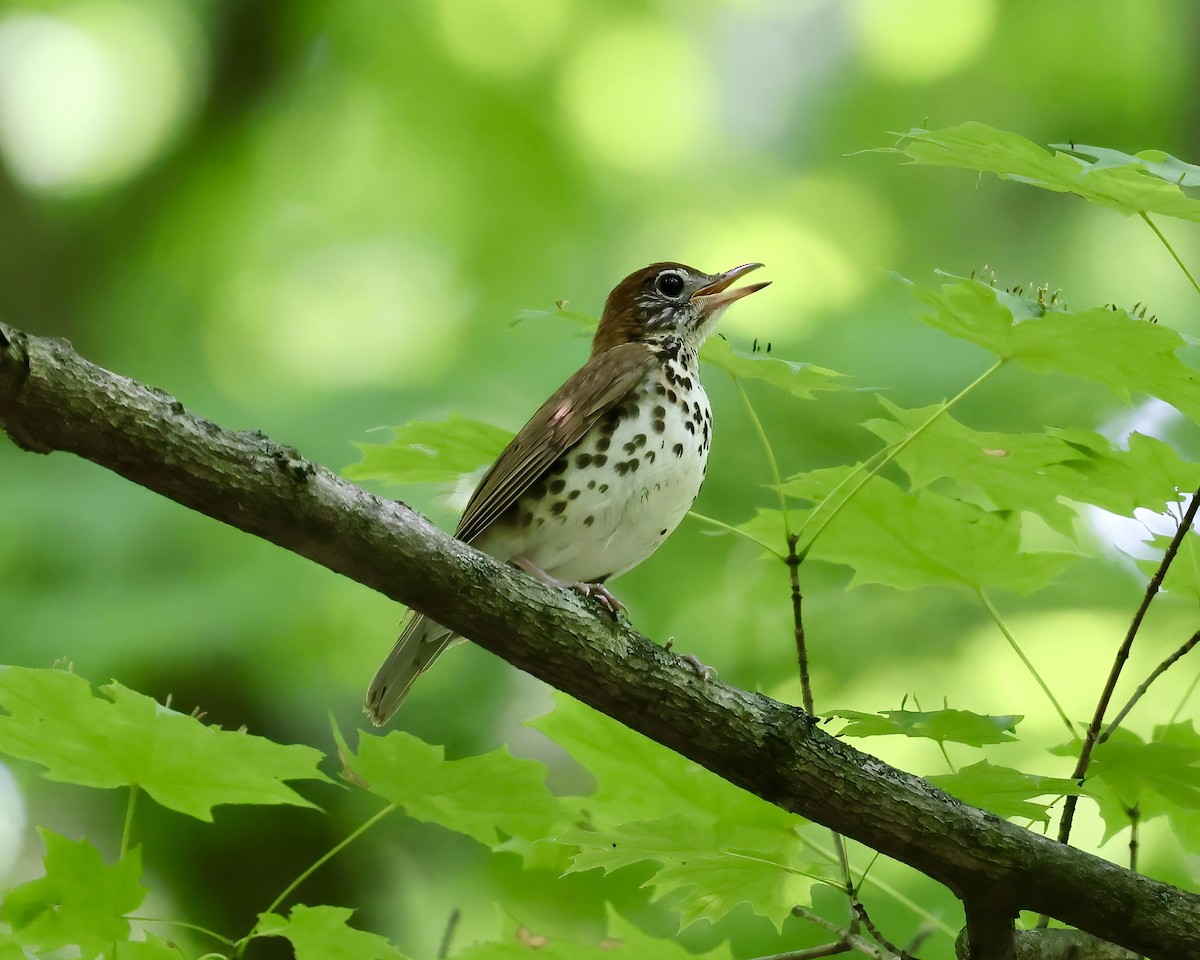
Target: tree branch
x=52, y=399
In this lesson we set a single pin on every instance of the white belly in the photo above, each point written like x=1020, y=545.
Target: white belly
x=624, y=494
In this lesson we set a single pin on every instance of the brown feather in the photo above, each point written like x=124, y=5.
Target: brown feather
x=560, y=423
x=623, y=320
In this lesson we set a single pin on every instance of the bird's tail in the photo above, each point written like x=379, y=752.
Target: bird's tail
x=418, y=646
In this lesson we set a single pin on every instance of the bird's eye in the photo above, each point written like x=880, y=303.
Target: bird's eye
x=669, y=284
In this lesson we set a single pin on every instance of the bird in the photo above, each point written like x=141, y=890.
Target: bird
x=606, y=468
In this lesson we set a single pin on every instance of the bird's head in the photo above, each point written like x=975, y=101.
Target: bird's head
x=669, y=301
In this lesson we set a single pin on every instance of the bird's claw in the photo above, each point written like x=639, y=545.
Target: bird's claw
x=602, y=594
x=704, y=672
x=701, y=670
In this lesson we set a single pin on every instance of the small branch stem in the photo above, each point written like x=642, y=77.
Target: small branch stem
x=865, y=919
x=1135, y=819
x=1141, y=690
x=1093, y=731
x=793, y=564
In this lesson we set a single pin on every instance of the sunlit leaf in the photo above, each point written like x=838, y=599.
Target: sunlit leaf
x=624, y=942
x=1183, y=575
x=943, y=726
x=486, y=797
x=324, y=933
x=1109, y=347
x=1143, y=183
x=798, y=379
x=123, y=738
x=1038, y=472
x=709, y=876
x=79, y=901
x=1005, y=792
x=638, y=779
x=908, y=540
x=1156, y=778
x=1162, y=165
x=437, y=451
x=151, y=948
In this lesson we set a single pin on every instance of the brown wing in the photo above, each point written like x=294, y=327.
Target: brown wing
x=561, y=422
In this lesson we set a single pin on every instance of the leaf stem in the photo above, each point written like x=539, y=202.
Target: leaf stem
x=1170, y=249
x=721, y=524
x=890, y=454
x=330, y=854
x=945, y=756
x=1012, y=642
x=762, y=436
x=320, y=862
x=187, y=926
x=127, y=829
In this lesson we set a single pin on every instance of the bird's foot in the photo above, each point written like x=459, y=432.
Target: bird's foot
x=597, y=590
x=701, y=670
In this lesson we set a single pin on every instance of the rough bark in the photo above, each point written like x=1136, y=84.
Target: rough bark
x=51, y=399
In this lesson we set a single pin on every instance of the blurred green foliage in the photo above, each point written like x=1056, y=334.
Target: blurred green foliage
x=319, y=219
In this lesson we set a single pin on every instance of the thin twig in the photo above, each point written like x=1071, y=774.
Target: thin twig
x=806, y=694
x=1093, y=731
x=1135, y=819
x=853, y=940
x=793, y=563
x=926, y=931
x=448, y=936
x=1141, y=690
x=887, y=944
x=831, y=949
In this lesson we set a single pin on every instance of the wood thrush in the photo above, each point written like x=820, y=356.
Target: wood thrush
x=607, y=467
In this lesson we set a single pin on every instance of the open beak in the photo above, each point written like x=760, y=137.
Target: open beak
x=721, y=292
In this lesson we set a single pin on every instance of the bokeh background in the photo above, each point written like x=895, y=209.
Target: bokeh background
x=320, y=220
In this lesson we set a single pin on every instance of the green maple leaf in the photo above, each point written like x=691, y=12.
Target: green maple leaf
x=1104, y=346
x=80, y=901
x=1183, y=575
x=942, y=726
x=924, y=539
x=123, y=738
x=1159, y=778
x=798, y=379
x=1148, y=182
x=1037, y=472
x=431, y=452
x=700, y=863
x=638, y=779
x=488, y=797
x=152, y=948
x=324, y=933
x=1004, y=791
x=624, y=942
